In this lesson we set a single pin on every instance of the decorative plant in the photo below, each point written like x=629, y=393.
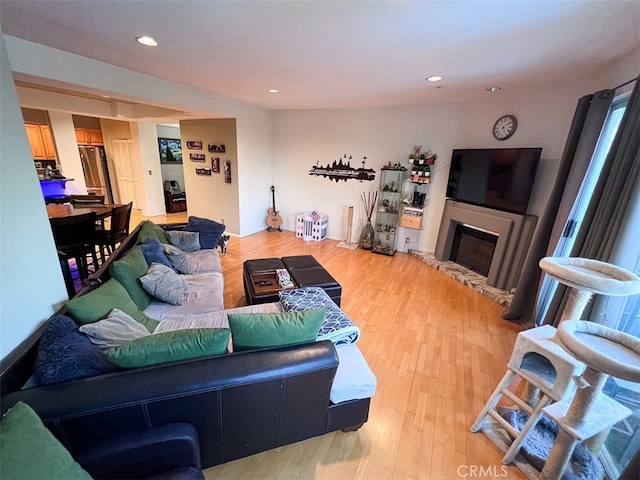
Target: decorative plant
x=369, y=203
x=420, y=158
x=416, y=152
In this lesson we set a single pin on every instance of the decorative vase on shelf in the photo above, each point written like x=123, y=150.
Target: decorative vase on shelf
x=366, y=237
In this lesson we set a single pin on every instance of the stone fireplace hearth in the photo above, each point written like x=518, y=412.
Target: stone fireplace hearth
x=513, y=235
x=467, y=277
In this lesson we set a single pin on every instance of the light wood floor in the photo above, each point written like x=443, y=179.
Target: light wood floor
x=437, y=348
x=137, y=217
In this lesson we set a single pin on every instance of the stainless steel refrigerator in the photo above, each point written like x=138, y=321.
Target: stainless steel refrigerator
x=96, y=171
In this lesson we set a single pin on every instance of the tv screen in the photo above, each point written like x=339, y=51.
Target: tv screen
x=499, y=178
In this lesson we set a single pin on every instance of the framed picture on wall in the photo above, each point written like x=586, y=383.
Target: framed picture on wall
x=227, y=171
x=197, y=157
x=215, y=164
x=217, y=148
x=170, y=150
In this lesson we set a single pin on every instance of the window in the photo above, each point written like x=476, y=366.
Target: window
x=624, y=314
x=584, y=195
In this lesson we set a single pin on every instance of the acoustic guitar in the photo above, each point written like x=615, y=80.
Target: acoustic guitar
x=273, y=218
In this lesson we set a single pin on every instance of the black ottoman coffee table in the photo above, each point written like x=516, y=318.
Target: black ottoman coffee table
x=305, y=271
x=254, y=272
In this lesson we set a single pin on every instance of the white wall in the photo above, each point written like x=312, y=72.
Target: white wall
x=209, y=196
x=31, y=284
x=301, y=138
x=255, y=172
x=383, y=135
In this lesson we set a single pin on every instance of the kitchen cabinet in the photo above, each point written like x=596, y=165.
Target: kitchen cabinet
x=41, y=141
x=85, y=136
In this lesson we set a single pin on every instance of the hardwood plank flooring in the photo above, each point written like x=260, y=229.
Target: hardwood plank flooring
x=438, y=350
x=137, y=217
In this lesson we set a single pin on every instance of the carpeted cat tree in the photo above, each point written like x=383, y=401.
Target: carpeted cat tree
x=566, y=370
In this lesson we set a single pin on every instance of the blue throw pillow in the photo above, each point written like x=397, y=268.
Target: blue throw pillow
x=65, y=354
x=153, y=253
x=210, y=231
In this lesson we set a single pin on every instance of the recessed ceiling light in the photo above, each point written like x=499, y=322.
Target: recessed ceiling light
x=273, y=90
x=147, y=41
x=434, y=78
x=493, y=89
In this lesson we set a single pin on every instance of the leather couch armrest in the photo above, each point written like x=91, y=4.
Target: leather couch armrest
x=155, y=451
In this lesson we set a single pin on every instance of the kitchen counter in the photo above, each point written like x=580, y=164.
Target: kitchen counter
x=51, y=180
x=54, y=186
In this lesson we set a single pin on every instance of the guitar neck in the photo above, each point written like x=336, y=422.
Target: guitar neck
x=273, y=199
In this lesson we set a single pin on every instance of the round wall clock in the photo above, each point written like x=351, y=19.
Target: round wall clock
x=504, y=127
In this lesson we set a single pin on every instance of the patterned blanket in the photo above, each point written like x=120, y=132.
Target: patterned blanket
x=336, y=327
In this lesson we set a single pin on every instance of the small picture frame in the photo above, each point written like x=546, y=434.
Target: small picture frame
x=215, y=164
x=227, y=171
x=197, y=157
x=217, y=148
x=203, y=171
x=194, y=144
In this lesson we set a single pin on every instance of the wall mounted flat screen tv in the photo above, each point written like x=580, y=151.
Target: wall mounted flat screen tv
x=499, y=178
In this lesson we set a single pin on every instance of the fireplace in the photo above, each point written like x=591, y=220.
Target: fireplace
x=500, y=255
x=473, y=248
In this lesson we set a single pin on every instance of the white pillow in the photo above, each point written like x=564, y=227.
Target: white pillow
x=185, y=241
x=113, y=331
x=165, y=284
x=354, y=379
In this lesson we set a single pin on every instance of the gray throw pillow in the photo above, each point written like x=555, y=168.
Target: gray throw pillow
x=165, y=284
x=179, y=259
x=113, y=331
x=185, y=241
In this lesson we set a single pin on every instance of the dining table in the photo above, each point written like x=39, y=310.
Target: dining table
x=69, y=210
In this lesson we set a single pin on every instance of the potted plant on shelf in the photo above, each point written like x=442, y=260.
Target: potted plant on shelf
x=418, y=157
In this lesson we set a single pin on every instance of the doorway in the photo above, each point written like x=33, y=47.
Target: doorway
x=125, y=179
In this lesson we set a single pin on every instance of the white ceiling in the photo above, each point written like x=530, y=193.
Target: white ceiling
x=338, y=54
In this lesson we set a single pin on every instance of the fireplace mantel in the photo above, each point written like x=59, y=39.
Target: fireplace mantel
x=514, y=236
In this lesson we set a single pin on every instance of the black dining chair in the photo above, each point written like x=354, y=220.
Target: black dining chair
x=89, y=199
x=107, y=240
x=75, y=238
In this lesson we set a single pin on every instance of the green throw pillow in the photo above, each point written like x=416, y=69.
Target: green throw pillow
x=127, y=271
x=170, y=347
x=260, y=330
x=29, y=450
x=151, y=230
x=97, y=304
